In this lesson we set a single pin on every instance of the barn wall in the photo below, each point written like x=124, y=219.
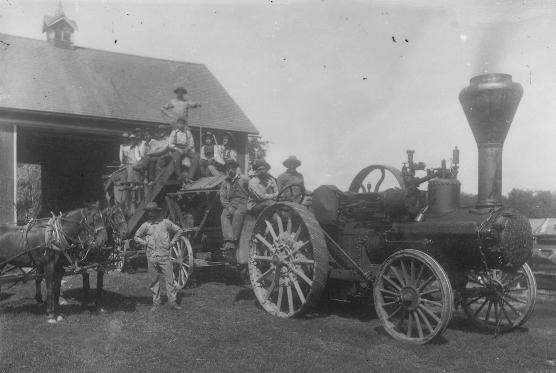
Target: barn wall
x=7, y=173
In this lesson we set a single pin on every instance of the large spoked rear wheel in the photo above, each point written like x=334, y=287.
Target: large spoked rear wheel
x=181, y=254
x=499, y=300
x=288, y=260
x=413, y=297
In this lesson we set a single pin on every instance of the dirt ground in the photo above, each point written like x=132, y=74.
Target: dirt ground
x=221, y=329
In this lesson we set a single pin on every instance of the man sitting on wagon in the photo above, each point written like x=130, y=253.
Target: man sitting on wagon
x=227, y=148
x=291, y=177
x=182, y=150
x=210, y=157
x=156, y=154
x=262, y=188
x=234, y=193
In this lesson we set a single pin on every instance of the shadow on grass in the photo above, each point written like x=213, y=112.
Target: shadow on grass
x=463, y=324
x=110, y=302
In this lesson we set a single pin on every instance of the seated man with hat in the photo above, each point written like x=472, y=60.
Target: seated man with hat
x=234, y=193
x=291, y=177
x=156, y=153
x=179, y=107
x=158, y=235
x=262, y=188
x=182, y=150
x=227, y=150
x=210, y=156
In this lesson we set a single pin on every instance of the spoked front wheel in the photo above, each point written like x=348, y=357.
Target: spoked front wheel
x=288, y=260
x=499, y=300
x=181, y=254
x=413, y=297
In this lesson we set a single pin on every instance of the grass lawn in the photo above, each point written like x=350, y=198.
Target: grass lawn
x=222, y=329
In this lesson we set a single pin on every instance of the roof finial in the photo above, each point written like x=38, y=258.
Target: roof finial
x=60, y=9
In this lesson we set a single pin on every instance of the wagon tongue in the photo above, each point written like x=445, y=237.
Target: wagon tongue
x=490, y=102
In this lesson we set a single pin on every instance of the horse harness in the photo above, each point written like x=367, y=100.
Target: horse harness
x=58, y=240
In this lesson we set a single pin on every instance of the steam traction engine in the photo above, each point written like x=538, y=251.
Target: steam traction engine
x=420, y=252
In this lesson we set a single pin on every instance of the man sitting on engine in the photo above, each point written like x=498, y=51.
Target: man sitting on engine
x=291, y=177
x=262, y=188
x=234, y=194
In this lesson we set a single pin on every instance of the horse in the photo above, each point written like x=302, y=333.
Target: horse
x=49, y=244
x=116, y=229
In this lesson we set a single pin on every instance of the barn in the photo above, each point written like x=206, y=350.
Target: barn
x=63, y=109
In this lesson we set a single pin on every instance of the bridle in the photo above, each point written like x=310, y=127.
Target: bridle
x=64, y=242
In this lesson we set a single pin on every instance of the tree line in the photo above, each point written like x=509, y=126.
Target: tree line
x=533, y=204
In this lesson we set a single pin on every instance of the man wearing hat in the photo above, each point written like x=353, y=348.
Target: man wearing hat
x=227, y=150
x=182, y=149
x=179, y=107
x=156, y=153
x=234, y=193
x=210, y=156
x=158, y=235
x=262, y=187
x=291, y=177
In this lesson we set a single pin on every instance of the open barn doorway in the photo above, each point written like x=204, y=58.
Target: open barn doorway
x=71, y=165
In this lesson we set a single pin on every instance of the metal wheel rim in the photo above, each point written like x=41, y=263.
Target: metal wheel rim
x=181, y=255
x=288, y=260
x=499, y=300
x=413, y=297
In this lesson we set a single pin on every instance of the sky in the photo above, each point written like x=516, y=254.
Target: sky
x=346, y=84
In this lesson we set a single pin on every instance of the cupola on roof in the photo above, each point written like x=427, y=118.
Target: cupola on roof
x=59, y=29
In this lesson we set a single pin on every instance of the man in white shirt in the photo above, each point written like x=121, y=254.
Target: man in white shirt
x=182, y=150
x=179, y=107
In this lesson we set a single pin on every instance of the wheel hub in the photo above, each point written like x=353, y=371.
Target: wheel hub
x=495, y=289
x=409, y=298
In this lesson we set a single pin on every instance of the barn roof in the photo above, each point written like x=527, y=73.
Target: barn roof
x=35, y=75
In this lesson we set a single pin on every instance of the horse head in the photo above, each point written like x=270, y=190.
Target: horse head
x=94, y=225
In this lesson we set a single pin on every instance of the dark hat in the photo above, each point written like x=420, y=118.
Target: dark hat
x=209, y=135
x=261, y=163
x=180, y=89
x=152, y=206
x=231, y=163
x=291, y=161
x=230, y=136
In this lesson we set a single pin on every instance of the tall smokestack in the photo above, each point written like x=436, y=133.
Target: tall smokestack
x=490, y=103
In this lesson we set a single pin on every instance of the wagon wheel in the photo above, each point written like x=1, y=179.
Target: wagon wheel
x=499, y=300
x=181, y=254
x=413, y=297
x=288, y=260
x=296, y=190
